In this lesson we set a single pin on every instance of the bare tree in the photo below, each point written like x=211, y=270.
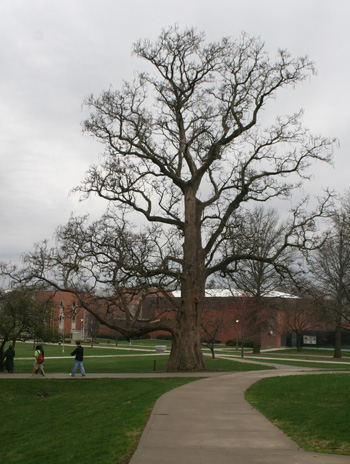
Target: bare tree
x=330, y=268
x=184, y=152
x=20, y=314
x=262, y=234
x=250, y=316
x=212, y=326
x=301, y=314
x=93, y=327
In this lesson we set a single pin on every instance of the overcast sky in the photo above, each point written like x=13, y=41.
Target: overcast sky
x=54, y=53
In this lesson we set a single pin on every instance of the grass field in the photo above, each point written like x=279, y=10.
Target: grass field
x=313, y=410
x=308, y=357
x=128, y=364
x=100, y=420
x=27, y=349
x=124, y=359
x=95, y=421
x=306, y=353
x=331, y=365
x=327, y=353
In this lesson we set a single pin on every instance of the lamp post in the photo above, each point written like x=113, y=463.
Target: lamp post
x=237, y=320
x=63, y=334
x=82, y=329
x=62, y=322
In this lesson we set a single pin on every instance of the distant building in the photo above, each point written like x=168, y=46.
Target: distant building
x=69, y=317
x=240, y=316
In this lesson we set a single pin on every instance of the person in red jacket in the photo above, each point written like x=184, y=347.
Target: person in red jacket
x=39, y=360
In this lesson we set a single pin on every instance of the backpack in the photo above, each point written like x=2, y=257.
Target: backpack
x=40, y=359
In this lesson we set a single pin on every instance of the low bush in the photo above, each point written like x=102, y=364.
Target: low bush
x=110, y=336
x=46, y=335
x=233, y=342
x=206, y=342
x=143, y=337
x=164, y=337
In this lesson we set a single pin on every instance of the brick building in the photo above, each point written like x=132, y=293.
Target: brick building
x=239, y=316
x=69, y=317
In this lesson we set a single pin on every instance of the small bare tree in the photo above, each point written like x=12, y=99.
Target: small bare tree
x=249, y=319
x=262, y=234
x=212, y=325
x=20, y=314
x=301, y=314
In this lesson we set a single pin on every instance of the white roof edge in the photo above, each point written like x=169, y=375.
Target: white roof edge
x=225, y=292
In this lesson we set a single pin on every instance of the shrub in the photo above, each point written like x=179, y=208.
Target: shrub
x=111, y=336
x=142, y=337
x=164, y=337
x=47, y=335
x=230, y=342
x=247, y=343
x=206, y=342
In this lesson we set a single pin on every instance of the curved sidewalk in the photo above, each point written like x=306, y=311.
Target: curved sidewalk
x=209, y=421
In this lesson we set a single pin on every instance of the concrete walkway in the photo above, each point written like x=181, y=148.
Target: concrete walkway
x=209, y=421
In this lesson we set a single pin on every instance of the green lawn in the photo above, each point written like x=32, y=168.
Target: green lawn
x=306, y=352
x=27, y=350
x=97, y=420
x=100, y=420
x=111, y=360
x=124, y=364
x=143, y=343
x=331, y=365
x=308, y=357
x=128, y=364
x=313, y=410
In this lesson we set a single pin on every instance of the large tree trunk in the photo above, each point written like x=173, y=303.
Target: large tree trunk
x=256, y=345
x=186, y=353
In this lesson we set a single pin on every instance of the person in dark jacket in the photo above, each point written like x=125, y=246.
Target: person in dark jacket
x=78, y=362
x=9, y=363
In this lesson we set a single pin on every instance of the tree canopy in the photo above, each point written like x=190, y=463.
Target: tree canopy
x=185, y=151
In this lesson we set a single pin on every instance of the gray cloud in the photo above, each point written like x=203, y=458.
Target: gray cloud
x=53, y=54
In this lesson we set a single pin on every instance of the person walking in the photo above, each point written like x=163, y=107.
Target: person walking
x=78, y=362
x=9, y=363
x=39, y=360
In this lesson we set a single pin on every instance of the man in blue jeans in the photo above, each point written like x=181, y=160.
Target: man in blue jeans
x=78, y=362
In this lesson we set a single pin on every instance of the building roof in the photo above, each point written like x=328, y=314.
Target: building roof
x=225, y=292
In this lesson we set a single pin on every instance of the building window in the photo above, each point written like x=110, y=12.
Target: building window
x=132, y=310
